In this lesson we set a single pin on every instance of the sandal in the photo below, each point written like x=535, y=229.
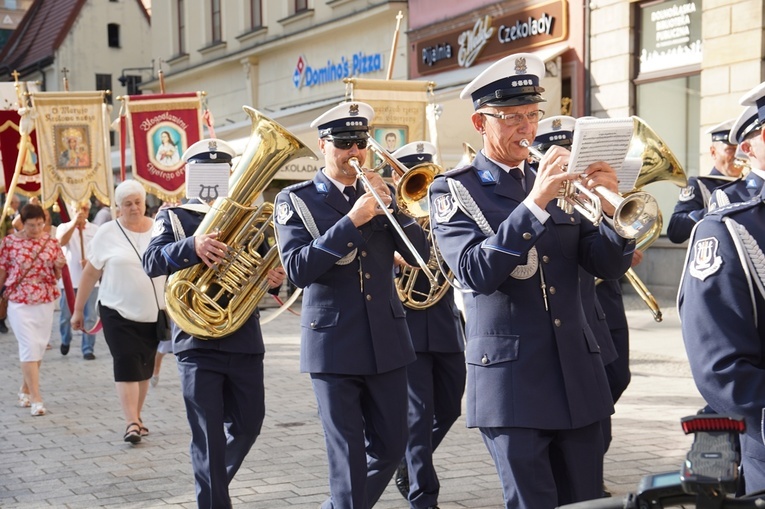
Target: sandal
x=133, y=433
x=24, y=401
x=38, y=409
x=144, y=429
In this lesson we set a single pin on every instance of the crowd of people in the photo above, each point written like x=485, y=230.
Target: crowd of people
x=540, y=350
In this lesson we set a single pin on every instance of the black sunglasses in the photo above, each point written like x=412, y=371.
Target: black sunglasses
x=343, y=144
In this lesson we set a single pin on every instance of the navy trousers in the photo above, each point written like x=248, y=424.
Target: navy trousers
x=542, y=469
x=225, y=407
x=436, y=385
x=365, y=429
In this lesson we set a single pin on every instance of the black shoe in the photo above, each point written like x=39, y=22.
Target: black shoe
x=88, y=357
x=402, y=480
x=64, y=349
x=3, y=327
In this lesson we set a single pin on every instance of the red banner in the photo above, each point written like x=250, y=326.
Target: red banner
x=29, y=179
x=161, y=128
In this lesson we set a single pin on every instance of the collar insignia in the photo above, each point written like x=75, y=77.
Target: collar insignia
x=486, y=177
x=321, y=187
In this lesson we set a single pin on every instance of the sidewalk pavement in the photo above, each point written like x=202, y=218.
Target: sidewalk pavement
x=74, y=456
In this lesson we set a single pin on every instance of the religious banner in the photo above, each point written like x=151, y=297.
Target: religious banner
x=400, y=111
x=73, y=142
x=161, y=127
x=28, y=182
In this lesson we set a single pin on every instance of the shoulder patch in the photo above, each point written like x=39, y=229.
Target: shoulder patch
x=687, y=193
x=705, y=261
x=444, y=208
x=283, y=212
x=158, y=228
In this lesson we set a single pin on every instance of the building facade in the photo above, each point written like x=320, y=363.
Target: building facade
x=680, y=65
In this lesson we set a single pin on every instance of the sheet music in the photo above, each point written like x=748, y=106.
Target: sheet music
x=207, y=181
x=608, y=140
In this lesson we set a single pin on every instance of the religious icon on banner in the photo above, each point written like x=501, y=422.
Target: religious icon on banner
x=73, y=146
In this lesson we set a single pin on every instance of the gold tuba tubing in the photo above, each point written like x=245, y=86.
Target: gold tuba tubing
x=210, y=303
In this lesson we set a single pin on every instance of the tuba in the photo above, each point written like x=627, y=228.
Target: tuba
x=210, y=303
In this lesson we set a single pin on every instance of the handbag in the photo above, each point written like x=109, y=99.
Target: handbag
x=162, y=329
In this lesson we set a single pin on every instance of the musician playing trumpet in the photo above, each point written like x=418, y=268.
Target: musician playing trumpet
x=337, y=243
x=536, y=386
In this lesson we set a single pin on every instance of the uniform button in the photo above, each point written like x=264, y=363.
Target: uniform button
x=546, y=259
x=571, y=219
x=553, y=290
x=186, y=260
x=367, y=276
x=363, y=253
x=350, y=244
x=526, y=236
x=313, y=325
x=557, y=322
x=485, y=359
x=369, y=297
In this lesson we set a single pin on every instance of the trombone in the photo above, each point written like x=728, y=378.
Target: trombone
x=412, y=200
x=633, y=214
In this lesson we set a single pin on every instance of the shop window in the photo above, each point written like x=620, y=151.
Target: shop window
x=300, y=6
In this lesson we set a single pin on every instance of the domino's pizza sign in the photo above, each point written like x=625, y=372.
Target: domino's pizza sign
x=360, y=63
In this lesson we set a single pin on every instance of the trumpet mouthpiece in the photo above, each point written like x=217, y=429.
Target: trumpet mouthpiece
x=524, y=143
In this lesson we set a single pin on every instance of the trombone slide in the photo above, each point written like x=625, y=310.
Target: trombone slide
x=644, y=294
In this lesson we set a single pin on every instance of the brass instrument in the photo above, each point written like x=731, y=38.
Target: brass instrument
x=210, y=303
x=423, y=266
x=632, y=215
x=468, y=154
x=406, y=284
x=412, y=187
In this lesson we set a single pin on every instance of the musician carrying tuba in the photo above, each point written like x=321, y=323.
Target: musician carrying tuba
x=221, y=380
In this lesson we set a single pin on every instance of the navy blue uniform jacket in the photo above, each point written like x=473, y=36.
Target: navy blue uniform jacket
x=692, y=204
x=527, y=367
x=722, y=315
x=352, y=319
x=165, y=256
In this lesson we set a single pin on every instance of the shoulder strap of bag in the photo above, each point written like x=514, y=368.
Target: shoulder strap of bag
x=153, y=290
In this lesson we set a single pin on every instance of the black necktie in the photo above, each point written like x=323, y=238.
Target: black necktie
x=517, y=174
x=350, y=192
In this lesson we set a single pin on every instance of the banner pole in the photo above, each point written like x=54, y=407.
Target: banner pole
x=392, y=59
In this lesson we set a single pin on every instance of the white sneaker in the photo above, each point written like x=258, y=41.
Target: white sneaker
x=154, y=380
x=38, y=409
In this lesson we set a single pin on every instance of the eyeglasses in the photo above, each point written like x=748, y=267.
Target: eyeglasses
x=347, y=144
x=514, y=119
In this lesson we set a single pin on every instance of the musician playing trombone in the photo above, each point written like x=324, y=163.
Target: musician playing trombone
x=536, y=386
x=337, y=243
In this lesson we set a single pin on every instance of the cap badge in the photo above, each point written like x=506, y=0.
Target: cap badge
x=353, y=110
x=557, y=124
x=520, y=65
x=420, y=148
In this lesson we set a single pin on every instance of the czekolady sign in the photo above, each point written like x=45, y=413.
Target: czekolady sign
x=488, y=36
x=360, y=63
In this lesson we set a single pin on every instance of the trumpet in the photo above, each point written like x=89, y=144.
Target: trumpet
x=633, y=214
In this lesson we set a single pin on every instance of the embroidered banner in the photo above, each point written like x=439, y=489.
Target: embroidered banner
x=29, y=179
x=400, y=112
x=73, y=142
x=161, y=128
